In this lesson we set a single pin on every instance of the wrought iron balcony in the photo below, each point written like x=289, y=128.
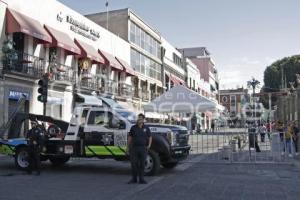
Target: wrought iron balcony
x=112, y=87
x=154, y=95
x=145, y=96
x=17, y=62
x=21, y=63
x=89, y=81
x=139, y=93
x=61, y=73
x=125, y=90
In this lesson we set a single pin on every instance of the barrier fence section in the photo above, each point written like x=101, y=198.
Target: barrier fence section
x=242, y=146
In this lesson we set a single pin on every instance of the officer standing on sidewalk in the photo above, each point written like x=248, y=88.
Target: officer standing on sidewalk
x=35, y=141
x=139, y=142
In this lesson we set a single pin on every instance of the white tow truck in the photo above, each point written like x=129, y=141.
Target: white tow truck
x=100, y=132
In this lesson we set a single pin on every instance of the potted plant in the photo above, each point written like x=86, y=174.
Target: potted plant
x=9, y=53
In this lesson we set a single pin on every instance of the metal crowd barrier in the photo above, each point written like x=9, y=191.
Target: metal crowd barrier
x=241, y=146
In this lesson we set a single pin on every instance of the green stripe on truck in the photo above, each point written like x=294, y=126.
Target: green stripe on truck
x=103, y=150
x=4, y=149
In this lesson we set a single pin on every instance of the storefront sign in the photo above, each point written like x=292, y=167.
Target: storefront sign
x=79, y=27
x=16, y=95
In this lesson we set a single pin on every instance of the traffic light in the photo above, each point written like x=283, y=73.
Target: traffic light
x=43, y=90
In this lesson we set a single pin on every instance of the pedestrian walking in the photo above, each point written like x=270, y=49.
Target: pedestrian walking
x=262, y=132
x=257, y=149
x=35, y=142
x=253, y=143
x=288, y=137
x=295, y=138
x=280, y=128
x=213, y=126
x=139, y=142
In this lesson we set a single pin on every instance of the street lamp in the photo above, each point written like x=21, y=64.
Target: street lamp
x=253, y=83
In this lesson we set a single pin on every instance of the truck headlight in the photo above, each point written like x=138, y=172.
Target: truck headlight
x=61, y=149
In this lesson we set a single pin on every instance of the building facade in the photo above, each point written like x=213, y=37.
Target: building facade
x=235, y=101
x=81, y=59
x=206, y=65
x=174, y=70
x=87, y=57
x=145, y=52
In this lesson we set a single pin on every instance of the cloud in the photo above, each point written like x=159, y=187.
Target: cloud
x=239, y=70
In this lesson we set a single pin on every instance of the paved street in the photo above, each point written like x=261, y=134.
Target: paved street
x=191, y=179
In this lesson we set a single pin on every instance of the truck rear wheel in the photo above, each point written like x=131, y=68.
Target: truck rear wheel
x=22, y=158
x=59, y=160
x=152, y=163
x=169, y=165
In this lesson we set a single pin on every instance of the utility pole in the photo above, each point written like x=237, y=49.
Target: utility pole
x=270, y=110
x=106, y=4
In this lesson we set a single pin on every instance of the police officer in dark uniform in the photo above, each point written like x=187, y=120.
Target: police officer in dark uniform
x=35, y=142
x=139, y=142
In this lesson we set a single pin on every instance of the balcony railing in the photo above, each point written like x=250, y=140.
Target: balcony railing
x=125, y=90
x=112, y=87
x=89, y=81
x=26, y=64
x=61, y=72
x=154, y=95
x=18, y=62
x=141, y=94
x=145, y=96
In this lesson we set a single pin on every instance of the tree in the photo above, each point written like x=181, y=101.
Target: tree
x=285, y=68
x=289, y=66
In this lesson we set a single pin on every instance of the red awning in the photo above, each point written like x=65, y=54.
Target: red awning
x=88, y=51
x=176, y=81
x=111, y=60
x=17, y=22
x=126, y=67
x=62, y=40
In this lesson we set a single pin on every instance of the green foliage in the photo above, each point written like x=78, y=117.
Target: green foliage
x=289, y=66
x=8, y=52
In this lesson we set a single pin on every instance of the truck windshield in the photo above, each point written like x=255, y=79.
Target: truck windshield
x=130, y=116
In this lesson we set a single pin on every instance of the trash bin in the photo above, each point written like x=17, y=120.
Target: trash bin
x=233, y=143
x=276, y=146
x=252, y=137
x=226, y=152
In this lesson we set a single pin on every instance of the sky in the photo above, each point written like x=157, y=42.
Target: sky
x=243, y=36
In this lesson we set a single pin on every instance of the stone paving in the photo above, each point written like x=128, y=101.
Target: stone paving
x=190, y=180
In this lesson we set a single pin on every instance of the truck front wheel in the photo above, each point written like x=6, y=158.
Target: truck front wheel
x=22, y=158
x=152, y=163
x=59, y=160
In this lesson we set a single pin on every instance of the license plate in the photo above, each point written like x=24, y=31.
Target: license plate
x=178, y=152
x=68, y=149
